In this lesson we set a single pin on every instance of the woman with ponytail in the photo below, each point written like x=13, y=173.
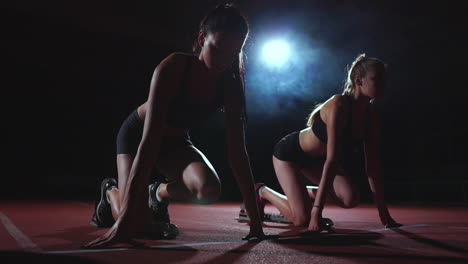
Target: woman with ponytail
x=185, y=90
x=320, y=151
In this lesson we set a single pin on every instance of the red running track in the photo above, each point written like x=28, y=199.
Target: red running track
x=53, y=231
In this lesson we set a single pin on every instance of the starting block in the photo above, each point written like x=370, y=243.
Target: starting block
x=268, y=217
x=326, y=223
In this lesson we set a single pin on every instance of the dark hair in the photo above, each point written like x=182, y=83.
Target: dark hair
x=228, y=18
x=223, y=18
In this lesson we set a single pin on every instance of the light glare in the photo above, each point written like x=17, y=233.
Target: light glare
x=276, y=53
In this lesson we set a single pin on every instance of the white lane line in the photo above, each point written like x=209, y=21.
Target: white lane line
x=176, y=220
x=85, y=251
x=379, y=230
x=461, y=227
x=19, y=236
x=209, y=243
x=160, y=246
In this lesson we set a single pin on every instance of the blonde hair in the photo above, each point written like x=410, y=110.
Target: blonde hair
x=359, y=67
x=311, y=117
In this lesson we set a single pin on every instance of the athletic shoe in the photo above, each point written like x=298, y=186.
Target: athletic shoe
x=160, y=212
x=161, y=224
x=102, y=216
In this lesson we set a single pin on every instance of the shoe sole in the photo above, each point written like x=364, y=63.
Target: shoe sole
x=150, y=198
x=103, y=196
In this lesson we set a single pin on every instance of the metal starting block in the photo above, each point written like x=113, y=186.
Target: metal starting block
x=326, y=223
x=268, y=217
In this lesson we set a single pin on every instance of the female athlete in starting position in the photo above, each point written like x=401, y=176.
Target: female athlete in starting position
x=319, y=152
x=185, y=89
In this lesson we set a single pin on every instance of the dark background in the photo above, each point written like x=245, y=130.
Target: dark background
x=73, y=71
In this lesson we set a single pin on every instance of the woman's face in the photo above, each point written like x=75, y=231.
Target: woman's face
x=373, y=84
x=219, y=50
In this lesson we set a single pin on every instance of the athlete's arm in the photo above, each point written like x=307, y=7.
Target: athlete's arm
x=373, y=167
x=334, y=118
x=237, y=153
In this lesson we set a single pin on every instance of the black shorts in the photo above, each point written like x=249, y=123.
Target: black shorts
x=288, y=149
x=130, y=134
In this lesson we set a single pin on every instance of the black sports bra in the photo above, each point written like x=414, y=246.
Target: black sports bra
x=320, y=128
x=184, y=114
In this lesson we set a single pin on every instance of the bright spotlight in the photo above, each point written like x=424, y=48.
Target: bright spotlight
x=276, y=53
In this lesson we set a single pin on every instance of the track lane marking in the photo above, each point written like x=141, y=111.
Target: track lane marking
x=19, y=236
x=160, y=246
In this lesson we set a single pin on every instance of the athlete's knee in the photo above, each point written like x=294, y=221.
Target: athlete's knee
x=349, y=204
x=350, y=201
x=208, y=193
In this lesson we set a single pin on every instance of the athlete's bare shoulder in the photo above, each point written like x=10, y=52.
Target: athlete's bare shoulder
x=168, y=74
x=335, y=107
x=336, y=102
x=174, y=61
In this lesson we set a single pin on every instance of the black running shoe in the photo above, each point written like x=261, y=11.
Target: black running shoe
x=160, y=212
x=102, y=216
x=161, y=224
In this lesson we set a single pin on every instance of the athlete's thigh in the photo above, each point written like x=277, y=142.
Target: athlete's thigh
x=294, y=187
